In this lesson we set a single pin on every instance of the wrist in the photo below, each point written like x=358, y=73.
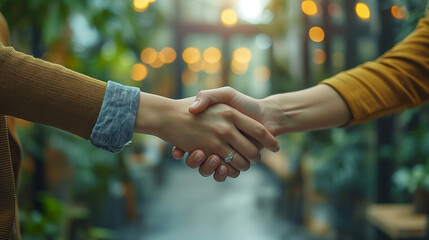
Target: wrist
x=150, y=114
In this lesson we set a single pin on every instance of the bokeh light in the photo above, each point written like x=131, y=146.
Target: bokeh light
x=212, y=68
x=140, y=5
x=189, y=77
x=229, y=17
x=157, y=64
x=362, y=11
x=319, y=56
x=242, y=55
x=212, y=55
x=167, y=55
x=239, y=68
x=399, y=12
x=309, y=7
x=316, y=34
x=139, y=72
x=149, y=55
x=191, y=55
x=262, y=73
x=197, y=66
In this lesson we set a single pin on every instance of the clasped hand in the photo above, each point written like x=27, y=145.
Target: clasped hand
x=253, y=125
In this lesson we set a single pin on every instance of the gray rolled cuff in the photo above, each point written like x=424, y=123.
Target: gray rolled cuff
x=115, y=124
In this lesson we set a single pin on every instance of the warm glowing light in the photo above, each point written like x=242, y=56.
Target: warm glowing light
x=140, y=5
x=191, y=55
x=362, y=11
x=335, y=10
x=319, y=56
x=229, y=17
x=212, y=55
x=189, y=78
x=316, y=34
x=212, y=68
x=242, y=55
x=157, y=64
x=167, y=55
x=399, y=12
x=139, y=72
x=309, y=7
x=239, y=68
x=262, y=73
x=151, y=1
x=149, y=55
x=211, y=82
x=196, y=67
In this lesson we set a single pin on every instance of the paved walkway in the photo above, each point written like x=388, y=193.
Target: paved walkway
x=187, y=206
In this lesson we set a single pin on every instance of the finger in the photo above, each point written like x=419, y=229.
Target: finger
x=256, y=131
x=221, y=173
x=246, y=149
x=239, y=162
x=208, y=97
x=195, y=159
x=177, y=153
x=209, y=166
x=232, y=172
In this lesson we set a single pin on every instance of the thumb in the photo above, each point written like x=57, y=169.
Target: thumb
x=209, y=97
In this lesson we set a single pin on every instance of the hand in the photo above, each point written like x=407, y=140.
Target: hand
x=260, y=110
x=216, y=131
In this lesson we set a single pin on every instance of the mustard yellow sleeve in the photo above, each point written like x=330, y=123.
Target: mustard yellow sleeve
x=397, y=80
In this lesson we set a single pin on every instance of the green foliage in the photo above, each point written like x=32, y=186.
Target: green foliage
x=410, y=179
x=341, y=165
x=37, y=226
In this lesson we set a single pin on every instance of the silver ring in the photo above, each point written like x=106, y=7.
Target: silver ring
x=230, y=156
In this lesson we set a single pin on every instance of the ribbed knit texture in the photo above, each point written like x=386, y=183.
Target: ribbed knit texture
x=48, y=93
x=397, y=80
x=7, y=184
x=41, y=92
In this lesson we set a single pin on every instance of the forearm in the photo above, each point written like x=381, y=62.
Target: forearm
x=315, y=108
x=397, y=80
x=152, y=114
x=47, y=93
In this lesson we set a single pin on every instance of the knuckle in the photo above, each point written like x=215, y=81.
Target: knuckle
x=260, y=130
x=228, y=113
x=223, y=131
x=201, y=93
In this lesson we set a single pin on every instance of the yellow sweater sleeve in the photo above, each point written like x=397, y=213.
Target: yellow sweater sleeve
x=46, y=93
x=397, y=80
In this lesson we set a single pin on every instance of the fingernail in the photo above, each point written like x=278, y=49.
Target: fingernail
x=198, y=158
x=212, y=162
x=195, y=104
x=277, y=148
x=222, y=171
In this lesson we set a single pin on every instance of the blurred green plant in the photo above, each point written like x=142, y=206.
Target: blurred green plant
x=412, y=178
x=47, y=225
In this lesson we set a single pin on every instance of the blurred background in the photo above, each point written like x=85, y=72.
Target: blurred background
x=322, y=185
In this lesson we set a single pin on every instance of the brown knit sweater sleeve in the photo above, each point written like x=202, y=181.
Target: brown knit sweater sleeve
x=397, y=80
x=49, y=94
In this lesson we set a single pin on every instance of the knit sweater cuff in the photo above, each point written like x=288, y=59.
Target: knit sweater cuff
x=115, y=124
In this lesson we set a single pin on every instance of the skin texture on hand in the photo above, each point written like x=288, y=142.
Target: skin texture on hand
x=215, y=131
x=310, y=109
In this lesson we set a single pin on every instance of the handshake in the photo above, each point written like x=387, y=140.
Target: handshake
x=224, y=130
